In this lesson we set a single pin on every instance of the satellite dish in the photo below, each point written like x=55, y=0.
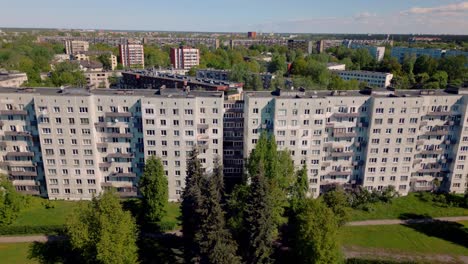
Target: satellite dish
x=116, y=120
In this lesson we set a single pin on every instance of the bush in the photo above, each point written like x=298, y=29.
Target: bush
x=27, y=230
x=166, y=226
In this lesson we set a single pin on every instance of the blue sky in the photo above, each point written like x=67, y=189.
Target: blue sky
x=301, y=16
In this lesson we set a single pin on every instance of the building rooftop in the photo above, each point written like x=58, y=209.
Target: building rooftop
x=167, y=92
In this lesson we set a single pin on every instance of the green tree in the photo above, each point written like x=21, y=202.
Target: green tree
x=11, y=201
x=362, y=58
x=455, y=67
x=299, y=189
x=154, y=192
x=192, y=202
x=216, y=243
x=103, y=232
x=278, y=64
x=299, y=66
x=259, y=220
x=441, y=78
x=425, y=64
x=256, y=82
x=337, y=201
x=105, y=59
x=155, y=57
x=316, y=240
x=67, y=73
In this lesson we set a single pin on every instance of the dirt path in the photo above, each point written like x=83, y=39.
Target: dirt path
x=25, y=239
x=384, y=254
x=408, y=221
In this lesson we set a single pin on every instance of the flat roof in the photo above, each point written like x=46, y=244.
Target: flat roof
x=167, y=92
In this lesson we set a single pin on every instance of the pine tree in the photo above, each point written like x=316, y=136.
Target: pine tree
x=103, y=232
x=191, y=207
x=154, y=191
x=217, y=245
x=259, y=220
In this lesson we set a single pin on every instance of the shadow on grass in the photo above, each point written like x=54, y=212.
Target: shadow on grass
x=163, y=248
x=54, y=251
x=450, y=231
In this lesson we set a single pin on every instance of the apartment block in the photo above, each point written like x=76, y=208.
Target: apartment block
x=75, y=143
x=300, y=44
x=374, y=79
x=132, y=55
x=401, y=52
x=75, y=46
x=12, y=79
x=406, y=139
x=184, y=57
x=376, y=52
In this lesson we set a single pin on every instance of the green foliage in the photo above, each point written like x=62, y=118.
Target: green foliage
x=216, y=243
x=156, y=57
x=102, y=232
x=317, y=235
x=29, y=230
x=67, y=73
x=278, y=64
x=455, y=67
x=337, y=201
x=259, y=221
x=362, y=59
x=192, y=202
x=425, y=64
x=154, y=191
x=105, y=59
x=11, y=202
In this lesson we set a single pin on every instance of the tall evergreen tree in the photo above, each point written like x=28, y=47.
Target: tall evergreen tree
x=316, y=238
x=192, y=201
x=259, y=220
x=154, y=191
x=216, y=243
x=299, y=189
x=103, y=232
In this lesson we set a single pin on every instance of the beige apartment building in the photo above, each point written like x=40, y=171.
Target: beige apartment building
x=132, y=55
x=74, y=143
x=75, y=46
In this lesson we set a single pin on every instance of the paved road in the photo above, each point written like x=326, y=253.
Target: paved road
x=408, y=221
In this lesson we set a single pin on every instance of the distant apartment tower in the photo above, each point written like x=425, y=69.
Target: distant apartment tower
x=401, y=52
x=252, y=34
x=75, y=46
x=185, y=57
x=304, y=45
x=376, y=52
x=132, y=55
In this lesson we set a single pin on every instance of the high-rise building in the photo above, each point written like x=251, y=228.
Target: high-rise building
x=252, y=34
x=74, y=143
x=75, y=46
x=376, y=52
x=300, y=44
x=132, y=55
x=401, y=52
x=185, y=57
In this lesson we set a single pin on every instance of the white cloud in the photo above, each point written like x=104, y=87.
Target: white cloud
x=451, y=8
x=364, y=16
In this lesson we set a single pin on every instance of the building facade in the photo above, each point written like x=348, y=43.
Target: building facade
x=74, y=143
x=132, y=55
x=13, y=79
x=306, y=46
x=75, y=46
x=374, y=79
x=376, y=52
x=401, y=52
x=184, y=57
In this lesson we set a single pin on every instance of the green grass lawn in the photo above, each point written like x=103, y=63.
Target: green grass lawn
x=410, y=204
x=400, y=238
x=173, y=212
x=37, y=214
x=15, y=253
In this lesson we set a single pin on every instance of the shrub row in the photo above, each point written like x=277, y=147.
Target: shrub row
x=167, y=226
x=29, y=230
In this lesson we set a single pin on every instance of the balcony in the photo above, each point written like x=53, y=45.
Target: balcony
x=440, y=113
x=119, y=135
x=20, y=154
x=344, y=134
x=339, y=173
x=120, y=155
x=345, y=115
x=14, y=112
x=203, y=126
x=100, y=124
x=329, y=125
x=104, y=165
x=124, y=174
x=429, y=170
x=118, y=114
x=3, y=144
x=102, y=144
x=203, y=137
x=423, y=123
x=23, y=173
x=420, y=143
x=437, y=132
x=17, y=134
x=25, y=183
x=432, y=151
x=337, y=154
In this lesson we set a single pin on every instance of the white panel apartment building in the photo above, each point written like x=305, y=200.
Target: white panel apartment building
x=374, y=79
x=74, y=143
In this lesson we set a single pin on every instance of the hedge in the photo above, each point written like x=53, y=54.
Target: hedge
x=28, y=230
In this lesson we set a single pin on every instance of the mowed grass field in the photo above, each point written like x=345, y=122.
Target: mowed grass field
x=15, y=253
x=410, y=204
x=406, y=239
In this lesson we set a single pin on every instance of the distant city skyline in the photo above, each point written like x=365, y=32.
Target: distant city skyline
x=297, y=16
